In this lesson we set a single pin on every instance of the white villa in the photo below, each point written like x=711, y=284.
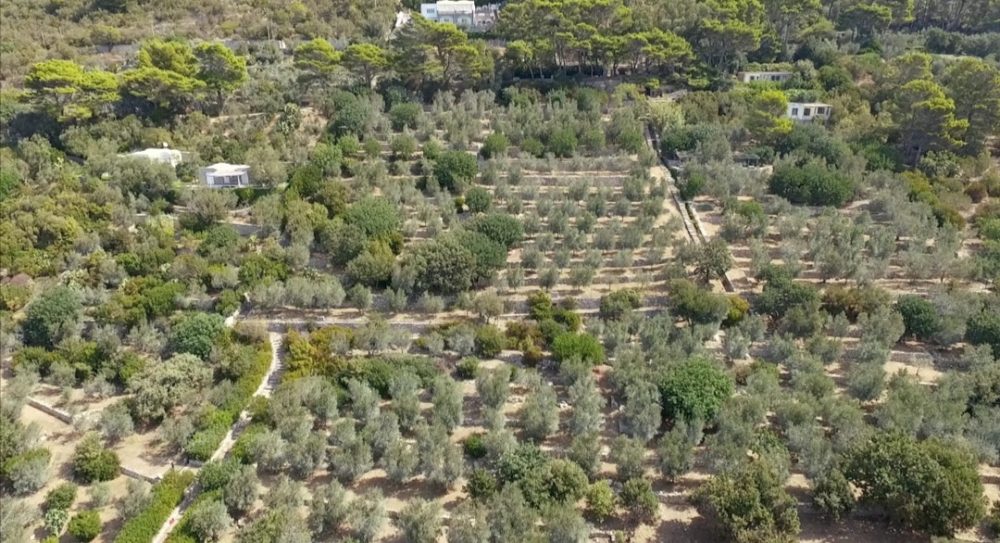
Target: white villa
x=223, y=175
x=461, y=13
x=808, y=111
x=750, y=77
x=162, y=155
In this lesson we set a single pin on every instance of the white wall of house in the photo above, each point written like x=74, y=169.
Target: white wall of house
x=800, y=111
x=751, y=77
x=224, y=175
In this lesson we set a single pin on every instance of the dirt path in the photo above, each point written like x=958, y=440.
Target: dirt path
x=267, y=386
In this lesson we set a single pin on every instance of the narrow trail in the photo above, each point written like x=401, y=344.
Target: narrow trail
x=266, y=388
x=692, y=224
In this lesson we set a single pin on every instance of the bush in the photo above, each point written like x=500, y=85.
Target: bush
x=694, y=390
x=495, y=145
x=404, y=115
x=811, y=184
x=984, y=329
x=52, y=316
x=467, y=368
x=454, y=169
x=60, y=497
x=502, y=228
x=474, y=447
x=919, y=316
x=489, y=341
x=619, y=303
x=85, y=525
x=196, y=334
x=578, y=345
x=93, y=462
x=166, y=495
x=478, y=199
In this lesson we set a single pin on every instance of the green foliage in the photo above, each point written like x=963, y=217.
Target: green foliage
x=696, y=304
x=453, y=170
x=60, y=497
x=376, y=218
x=811, y=183
x=694, y=390
x=93, y=462
x=494, y=146
x=639, y=500
x=833, y=495
x=619, y=303
x=920, y=317
x=166, y=495
x=52, y=316
x=85, y=525
x=405, y=115
x=984, y=329
x=601, y=501
x=478, y=200
x=489, y=341
x=502, y=228
x=751, y=504
x=196, y=333
x=582, y=346
x=930, y=486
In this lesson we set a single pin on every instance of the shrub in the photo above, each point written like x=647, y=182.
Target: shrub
x=60, y=497
x=467, y=368
x=474, y=447
x=93, y=462
x=166, y=495
x=984, y=328
x=489, y=341
x=812, y=184
x=919, y=316
x=478, y=199
x=85, y=525
x=196, y=334
x=578, y=345
x=502, y=228
x=454, y=169
x=51, y=316
x=495, y=145
x=694, y=390
x=619, y=303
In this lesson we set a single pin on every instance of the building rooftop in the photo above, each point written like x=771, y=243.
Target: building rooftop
x=157, y=154
x=450, y=6
x=224, y=168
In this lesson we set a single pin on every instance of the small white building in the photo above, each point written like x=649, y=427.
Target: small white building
x=161, y=155
x=461, y=13
x=774, y=77
x=808, y=111
x=223, y=175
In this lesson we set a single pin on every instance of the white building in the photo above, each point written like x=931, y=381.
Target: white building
x=808, y=111
x=776, y=77
x=161, y=155
x=223, y=175
x=461, y=13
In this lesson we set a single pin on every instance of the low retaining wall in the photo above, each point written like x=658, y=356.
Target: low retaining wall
x=50, y=410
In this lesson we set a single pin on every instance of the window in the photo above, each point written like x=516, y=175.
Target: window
x=807, y=112
x=795, y=112
x=820, y=110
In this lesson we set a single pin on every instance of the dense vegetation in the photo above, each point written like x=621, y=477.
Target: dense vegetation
x=464, y=279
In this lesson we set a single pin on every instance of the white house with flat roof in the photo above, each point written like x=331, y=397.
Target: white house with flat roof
x=162, y=155
x=808, y=111
x=224, y=175
x=774, y=77
x=461, y=13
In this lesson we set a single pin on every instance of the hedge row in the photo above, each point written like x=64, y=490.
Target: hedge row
x=203, y=443
x=167, y=494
